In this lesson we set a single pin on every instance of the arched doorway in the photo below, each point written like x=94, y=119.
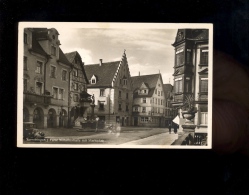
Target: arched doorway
x=25, y=115
x=51, y=120
x=38, y=118
x=63, y=118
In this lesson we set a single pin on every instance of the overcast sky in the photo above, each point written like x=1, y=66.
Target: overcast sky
x=148, y=50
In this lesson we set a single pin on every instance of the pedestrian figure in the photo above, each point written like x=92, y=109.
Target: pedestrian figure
x=175, y=128
x=170, y=128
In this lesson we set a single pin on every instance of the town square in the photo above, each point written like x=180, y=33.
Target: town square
x=148, y=86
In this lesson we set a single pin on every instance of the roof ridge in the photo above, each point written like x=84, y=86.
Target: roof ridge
x=103, y=63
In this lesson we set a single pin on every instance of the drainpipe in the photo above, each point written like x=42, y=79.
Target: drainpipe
x=69, y=101
x=45, y=73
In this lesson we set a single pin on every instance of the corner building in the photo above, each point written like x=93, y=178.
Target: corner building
x=45, y=79
x=191, y=72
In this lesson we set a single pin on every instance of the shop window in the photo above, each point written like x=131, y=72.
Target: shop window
x=144, y=119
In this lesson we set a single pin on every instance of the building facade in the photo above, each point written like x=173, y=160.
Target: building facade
x=79, y=100
x=45, y=79
x=148, y=101
x=110, y=84
x=191, y=72
x=170, y=113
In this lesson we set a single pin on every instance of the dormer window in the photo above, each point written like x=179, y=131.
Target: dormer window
x=145, y=91
x=53, y=50
x=93, y=80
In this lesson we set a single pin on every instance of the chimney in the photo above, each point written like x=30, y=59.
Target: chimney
x=100, y=62
x=139, y=73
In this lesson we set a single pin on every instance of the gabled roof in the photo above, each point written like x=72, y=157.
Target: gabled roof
x=190, y=34
x=149, y=80
x=70, y=56
x=167, y=88
x=63, y=58
x=42, y=34
x=104, y=73
x=36, y=47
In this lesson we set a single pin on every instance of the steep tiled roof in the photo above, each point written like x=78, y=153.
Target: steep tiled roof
x=36, y=47
x=62, y=58
x=167, y=88
x=190, y=34
x=70, y=56
x=149, y=80
x=104, y=73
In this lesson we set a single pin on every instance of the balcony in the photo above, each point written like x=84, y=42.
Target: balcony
x=35, y=98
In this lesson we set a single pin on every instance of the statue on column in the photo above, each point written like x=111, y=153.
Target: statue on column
x=93, y=99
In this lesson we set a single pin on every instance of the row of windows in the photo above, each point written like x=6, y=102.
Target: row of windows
x=58, y=93
x=120, y=95
x=153, y=101
x=180, y=56
x=179, y=86
x=39, y=69
x=160, y=93
x=120, y=107
x=153, y=110
x=124, y=81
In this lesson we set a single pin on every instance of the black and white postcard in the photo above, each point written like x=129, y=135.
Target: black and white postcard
x=115, y=85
